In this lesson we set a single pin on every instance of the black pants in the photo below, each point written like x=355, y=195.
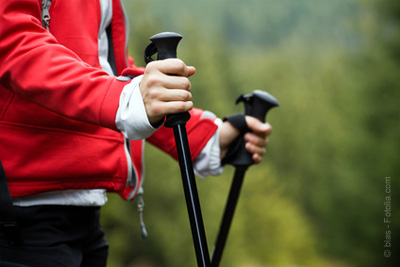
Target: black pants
x=57, y=236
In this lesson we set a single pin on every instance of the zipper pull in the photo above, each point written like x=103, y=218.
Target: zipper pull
x=45, y=13
x=140, y=207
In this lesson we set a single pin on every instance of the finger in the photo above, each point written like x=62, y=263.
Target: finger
x=172, y=66
x=155, y=99
x=164, y=95
x=258, y=127
x=191, y=70
x=156, y=110
x=172, y=107
x=256, y=158
x=159, y=80
x=177, y=82
x=255, y=139
x=253, y=149
x=169, y=95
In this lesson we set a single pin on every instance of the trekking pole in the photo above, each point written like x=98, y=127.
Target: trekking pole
x=165, y=44
x=256, y=105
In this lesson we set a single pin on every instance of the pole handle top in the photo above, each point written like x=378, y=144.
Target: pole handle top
x=258, y=104
x=164, y=44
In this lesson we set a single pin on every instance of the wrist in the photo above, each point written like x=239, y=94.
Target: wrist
x=227, y=135
x=131, y=118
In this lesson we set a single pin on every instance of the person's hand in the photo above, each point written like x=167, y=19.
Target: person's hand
x=165, y=88
x=256, y=141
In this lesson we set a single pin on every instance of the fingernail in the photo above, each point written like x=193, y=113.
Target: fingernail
x=263, y=127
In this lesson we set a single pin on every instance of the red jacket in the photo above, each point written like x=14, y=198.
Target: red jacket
x=58, y=108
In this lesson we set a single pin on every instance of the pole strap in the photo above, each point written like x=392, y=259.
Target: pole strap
x=237, y=154
x=239, y=122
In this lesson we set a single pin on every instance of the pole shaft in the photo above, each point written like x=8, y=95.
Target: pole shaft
x=228, y=215
x=191, y=196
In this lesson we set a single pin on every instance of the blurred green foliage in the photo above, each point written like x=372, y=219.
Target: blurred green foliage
x=317, y=199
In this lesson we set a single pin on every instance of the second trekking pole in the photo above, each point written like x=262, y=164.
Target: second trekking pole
x=256, y=105
x=165, y=45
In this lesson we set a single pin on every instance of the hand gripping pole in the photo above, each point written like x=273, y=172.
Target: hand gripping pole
x=256, y=105
x=165, y=44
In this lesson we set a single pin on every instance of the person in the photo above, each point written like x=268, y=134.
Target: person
x=75, y=112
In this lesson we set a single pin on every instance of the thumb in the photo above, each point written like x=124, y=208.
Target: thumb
x=191, y=70
x=258, y=127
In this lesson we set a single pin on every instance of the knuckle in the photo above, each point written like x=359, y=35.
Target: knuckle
x=155, y=110
x=189, y=105
x=250, y=147
x=189, y=96
x=151, y=66
x=151, y=80
x=185, y=83
x=180, y=66
x=265, y=142
x=152, y=94
x=185, y=95
x=183, y=106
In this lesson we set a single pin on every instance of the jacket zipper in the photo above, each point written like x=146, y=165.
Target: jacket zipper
x=45, y=13
x=132, y=175
x=126, y=23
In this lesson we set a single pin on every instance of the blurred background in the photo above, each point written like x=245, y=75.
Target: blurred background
x=327, y=193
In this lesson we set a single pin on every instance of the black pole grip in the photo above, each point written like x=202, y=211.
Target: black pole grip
x=165, y=45
x=256, y=105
